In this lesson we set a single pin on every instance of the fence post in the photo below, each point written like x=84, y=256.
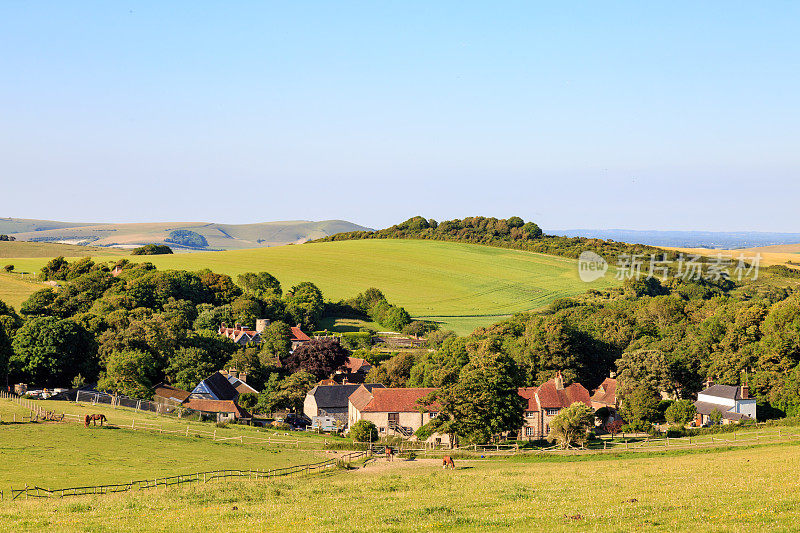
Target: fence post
x=187, y=430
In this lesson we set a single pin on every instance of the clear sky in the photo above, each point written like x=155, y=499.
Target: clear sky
x=684, y=115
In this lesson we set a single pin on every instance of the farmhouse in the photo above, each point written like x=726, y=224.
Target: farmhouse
x=733, y=402
x=545, y=402
x=354, y=370
x=331, y=400
x=394, y=411
x=606, y=396
x=298, y=337
x=240, y=335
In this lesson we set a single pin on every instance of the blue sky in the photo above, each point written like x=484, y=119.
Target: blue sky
x=601, y=115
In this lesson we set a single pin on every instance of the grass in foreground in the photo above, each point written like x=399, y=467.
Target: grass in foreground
x=744, y=489
x=461, y=285
x=124, y=417
x=59, y=455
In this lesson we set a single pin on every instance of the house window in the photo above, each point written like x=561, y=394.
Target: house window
x=529, y=414
x=552, y=412
x=434, y=415
x=383, y=430
x=529, y=431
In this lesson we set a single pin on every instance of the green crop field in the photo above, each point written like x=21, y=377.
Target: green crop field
x=462, y=285
x=742, y=489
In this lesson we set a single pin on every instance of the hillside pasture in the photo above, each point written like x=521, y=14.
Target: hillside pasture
x=463, y=286
x=747, y=489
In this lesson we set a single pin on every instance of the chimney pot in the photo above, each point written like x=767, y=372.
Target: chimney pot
x=745, y=392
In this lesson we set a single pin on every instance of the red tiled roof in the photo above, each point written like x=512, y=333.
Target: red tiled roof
x=215, y=406
x=354, y=364
x=529, y=393
x=606, y=393
x=397, y=400
x=547, y=396
x=360, y=398
x=298, y=335
x=167, y=391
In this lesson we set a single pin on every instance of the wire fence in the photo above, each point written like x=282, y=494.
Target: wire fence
x=164, y=407
x=196, y=477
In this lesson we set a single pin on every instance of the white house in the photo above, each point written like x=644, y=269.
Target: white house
x=733, y=402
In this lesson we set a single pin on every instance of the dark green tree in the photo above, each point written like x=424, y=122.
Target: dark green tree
x=131, y=373
x=364, y=431
x=49, y=352
x=483, y=402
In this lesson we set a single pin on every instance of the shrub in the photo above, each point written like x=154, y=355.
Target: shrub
x=364, y=431
x=356, y=340
x=248, y=400
x=152, y=249
x=680, y=412
x=222, y=424
x=571, y=425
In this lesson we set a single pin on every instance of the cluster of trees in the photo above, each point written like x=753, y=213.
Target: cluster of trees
x=512, y=232
x=373, y=304
x=144, y=326
x=188, y=238
x=152, y=249
x=7, y=238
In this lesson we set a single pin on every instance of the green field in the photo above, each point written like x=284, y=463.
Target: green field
x=462, y=285
x=746, y=489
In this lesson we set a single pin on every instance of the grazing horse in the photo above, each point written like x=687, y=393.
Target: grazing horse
x=447, y=461
x=93, y=419
x=389, y=451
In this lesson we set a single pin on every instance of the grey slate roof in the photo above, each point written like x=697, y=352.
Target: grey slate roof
x=215, y=387
x=730, y=392
x=706, y=408
x=336, y=396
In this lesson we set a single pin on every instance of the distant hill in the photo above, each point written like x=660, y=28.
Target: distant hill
x=686, y=239
x=180, y=236
x=20, y=225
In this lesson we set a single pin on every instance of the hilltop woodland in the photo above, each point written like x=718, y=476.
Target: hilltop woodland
x=145, y=326
x=512, y=232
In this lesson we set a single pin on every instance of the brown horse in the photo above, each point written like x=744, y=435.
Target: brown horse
x=93, y=419
x=447, y=461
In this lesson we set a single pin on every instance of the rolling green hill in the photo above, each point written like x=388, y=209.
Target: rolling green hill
x=180, y=236
x=462, y=285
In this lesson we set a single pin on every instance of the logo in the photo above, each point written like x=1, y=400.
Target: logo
x=591, y=266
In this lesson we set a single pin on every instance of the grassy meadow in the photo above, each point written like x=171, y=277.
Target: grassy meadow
x=461, y=285
x=745, y=489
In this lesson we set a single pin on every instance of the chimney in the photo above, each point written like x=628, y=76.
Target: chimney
x=745, y=392
x=559, y=379
x=237, y=326
x=243, y=377
x=612, y=374
x=708, y=383
x=261, y=324
x=233, y=372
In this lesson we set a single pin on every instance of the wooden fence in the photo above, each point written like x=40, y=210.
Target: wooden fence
x=196, y=477
x=38, y=413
